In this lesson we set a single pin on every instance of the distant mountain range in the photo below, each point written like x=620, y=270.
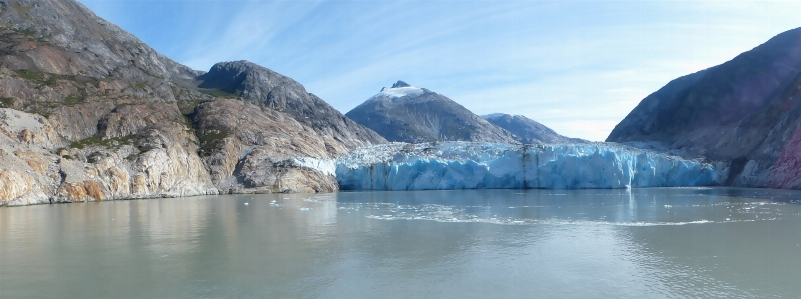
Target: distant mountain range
x=528, y=131
x=409, y=114
x=406, y=113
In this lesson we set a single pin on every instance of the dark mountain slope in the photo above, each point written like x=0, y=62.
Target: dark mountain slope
x=744, y=111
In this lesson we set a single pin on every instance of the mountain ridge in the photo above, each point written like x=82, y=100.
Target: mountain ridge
x=528, y=131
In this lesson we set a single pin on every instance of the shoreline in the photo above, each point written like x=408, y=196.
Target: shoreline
x=423, y=190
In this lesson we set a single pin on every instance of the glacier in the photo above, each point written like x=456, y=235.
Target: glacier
x=468, y=165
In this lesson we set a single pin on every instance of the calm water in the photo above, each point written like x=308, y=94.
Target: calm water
x=642, y=243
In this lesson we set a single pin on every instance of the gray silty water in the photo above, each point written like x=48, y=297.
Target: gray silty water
x=640, y=243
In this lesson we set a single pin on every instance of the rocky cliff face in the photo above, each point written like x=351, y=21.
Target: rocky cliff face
x=39, y=166
x=409, y=114
x=745, y=111
x=526, y=130
x=89, y=112
x=266, y=88
x=248, y=142
x=94, y=115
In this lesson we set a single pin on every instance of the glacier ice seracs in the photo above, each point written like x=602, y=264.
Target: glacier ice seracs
x=466, y=165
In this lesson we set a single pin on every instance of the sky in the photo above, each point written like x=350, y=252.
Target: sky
x=578, y=67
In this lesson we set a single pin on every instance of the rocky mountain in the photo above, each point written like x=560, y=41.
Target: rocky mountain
x=89, y=112
x=409, y=114
x=273, y=119
x=746, y=111
x=256, y=84
x=526, y=130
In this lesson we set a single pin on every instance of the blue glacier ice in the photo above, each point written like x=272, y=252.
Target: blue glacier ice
x=466, y=165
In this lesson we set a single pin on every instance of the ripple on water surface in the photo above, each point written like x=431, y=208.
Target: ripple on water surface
x=640, y=243
x=638, y=207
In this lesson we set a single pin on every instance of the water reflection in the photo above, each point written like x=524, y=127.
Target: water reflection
x=640, y=243
x=657, y=206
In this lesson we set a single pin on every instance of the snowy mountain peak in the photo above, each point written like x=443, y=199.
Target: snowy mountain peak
x=400, y=84
x=411, y=114
x=400, y=89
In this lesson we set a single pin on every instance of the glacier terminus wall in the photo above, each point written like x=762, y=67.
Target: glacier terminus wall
x=466, y=165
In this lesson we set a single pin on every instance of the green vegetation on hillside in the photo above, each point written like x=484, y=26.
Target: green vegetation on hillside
x=26, y=32
x=97, y=140
x=218, y=93
x=209, y=139
x=23, y=9
x=38, y=77
x=74, y=99
x=6, y=102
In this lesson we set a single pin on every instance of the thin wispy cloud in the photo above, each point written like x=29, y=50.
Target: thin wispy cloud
x=576, y=66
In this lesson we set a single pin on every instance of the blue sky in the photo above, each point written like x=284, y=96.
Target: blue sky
x=578, y=67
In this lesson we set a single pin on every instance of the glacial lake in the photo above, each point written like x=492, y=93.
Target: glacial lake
x=639, y=243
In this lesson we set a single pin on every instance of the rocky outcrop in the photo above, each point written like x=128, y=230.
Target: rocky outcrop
x=40, y=167
x=526, y=130
x=247, y=145
x=28, y=172
x=745, y=111
x=95, y=114
x=88, y=112
x=409, y=114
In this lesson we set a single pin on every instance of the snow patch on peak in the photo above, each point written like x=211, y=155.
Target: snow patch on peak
x=399, y=92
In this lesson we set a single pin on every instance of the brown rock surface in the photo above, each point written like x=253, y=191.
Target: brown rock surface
x=89, y=112
x=245, y=145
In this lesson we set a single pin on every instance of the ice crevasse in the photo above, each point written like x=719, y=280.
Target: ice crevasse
x=466, y=165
